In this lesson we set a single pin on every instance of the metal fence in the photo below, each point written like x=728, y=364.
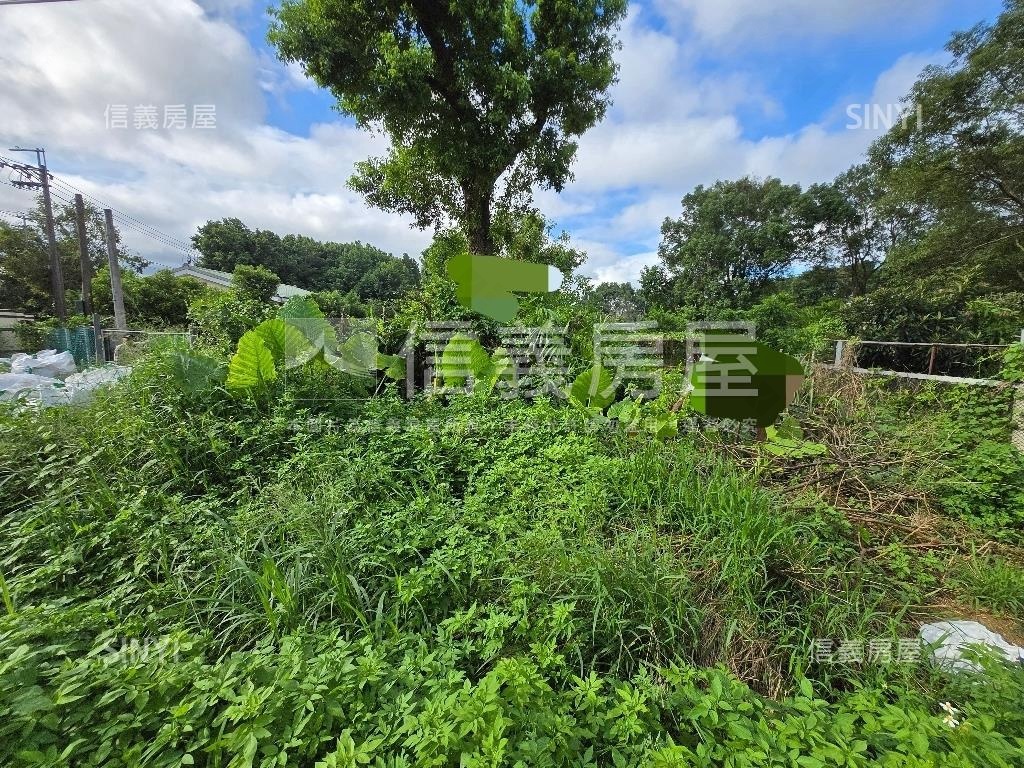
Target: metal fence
x=848, y=356
x=80, y=342
x=979, y=361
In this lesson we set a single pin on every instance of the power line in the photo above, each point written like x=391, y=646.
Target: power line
x=123, y=219
x=29, y=2
x=121, y=214
x=129, y=225
x=149, y=258
x=148, y=229
x=183, y=244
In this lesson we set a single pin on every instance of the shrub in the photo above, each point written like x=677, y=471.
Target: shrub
x=254, y=283
x=220, y=318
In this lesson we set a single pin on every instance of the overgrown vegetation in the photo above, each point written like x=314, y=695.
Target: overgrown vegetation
x=260, y=549
x=192, y=575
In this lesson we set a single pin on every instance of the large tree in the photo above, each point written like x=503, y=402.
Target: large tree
x=472, y=95
x=962, y=163
x=852, y=231
x=732, y=241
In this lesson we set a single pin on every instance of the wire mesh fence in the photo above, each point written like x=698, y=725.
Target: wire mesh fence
x=80, y=342
x=977, y=361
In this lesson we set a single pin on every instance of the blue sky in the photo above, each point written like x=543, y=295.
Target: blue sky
x=709, y=89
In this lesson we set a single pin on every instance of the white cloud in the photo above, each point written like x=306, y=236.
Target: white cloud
x=657, y=156
x=607, y=265
x=61, y=65
x=225, y=6
x=671, y=127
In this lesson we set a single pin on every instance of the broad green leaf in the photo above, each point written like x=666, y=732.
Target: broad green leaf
x=664, y=426
x=299, y=307
x=392, y=365
x=356, y=355
x=593, y=388
x=287, y=343
x=805, y=688
x=464, y=358
x=627, y=412
x=501, y=368
x=194, y=373
x=252, y=364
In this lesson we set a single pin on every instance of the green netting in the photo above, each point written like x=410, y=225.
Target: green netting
x=80, y=342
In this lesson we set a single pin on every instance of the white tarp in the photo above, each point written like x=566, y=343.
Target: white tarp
x=77, y=389
x=29, y=386
x=952, y=638
x=49, y=362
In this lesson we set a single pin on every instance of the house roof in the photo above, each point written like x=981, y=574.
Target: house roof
x=220, y=279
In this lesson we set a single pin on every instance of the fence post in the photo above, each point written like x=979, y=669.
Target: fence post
x=840, y=346
x=931, y=360
x=100, y=348
x=1018, y=418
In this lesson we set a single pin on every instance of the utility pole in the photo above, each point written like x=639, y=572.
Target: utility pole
x=83, y=260
x=56, y=275
x=83, y=255
x=116, y=290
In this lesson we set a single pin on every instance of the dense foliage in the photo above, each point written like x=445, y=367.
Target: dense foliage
x=191, y=576
x=363, y=271
x=25, y=260
x=468, y=93
x=258, y=549
x=924, y=236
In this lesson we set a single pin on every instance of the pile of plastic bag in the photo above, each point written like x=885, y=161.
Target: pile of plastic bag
x=50, y=378
x=49, y=363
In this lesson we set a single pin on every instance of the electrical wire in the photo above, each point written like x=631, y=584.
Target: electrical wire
x=120, y=214
x=60, y=197
x=59, y=189
x=32, y=2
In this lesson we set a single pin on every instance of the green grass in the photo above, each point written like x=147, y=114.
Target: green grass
x=546, y=595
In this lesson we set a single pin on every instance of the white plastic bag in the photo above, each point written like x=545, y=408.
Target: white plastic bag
x=48, y=362
x=30, y=386
x=951, y=638
x=77, y=389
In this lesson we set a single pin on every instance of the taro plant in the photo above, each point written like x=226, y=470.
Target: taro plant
x=592, y=391
x=300, y=334
x=633, y=416
x=466, y=365
x=787, y=440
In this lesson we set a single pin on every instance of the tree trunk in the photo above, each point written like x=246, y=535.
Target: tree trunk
x=860, y=274
x=478, y=217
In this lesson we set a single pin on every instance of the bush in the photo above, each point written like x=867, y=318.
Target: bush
x=255, y=283
x=192, y=577
x=219, y=318
x=161, y=299
x=38, y=334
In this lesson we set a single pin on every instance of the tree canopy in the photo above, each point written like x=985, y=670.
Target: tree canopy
x=468, y=93
x=731, y=241
x=962, y=168
x=25, y=260
x=358, y=268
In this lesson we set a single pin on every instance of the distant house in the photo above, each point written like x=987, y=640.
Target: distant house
x=9, y=320
x=222, y=280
